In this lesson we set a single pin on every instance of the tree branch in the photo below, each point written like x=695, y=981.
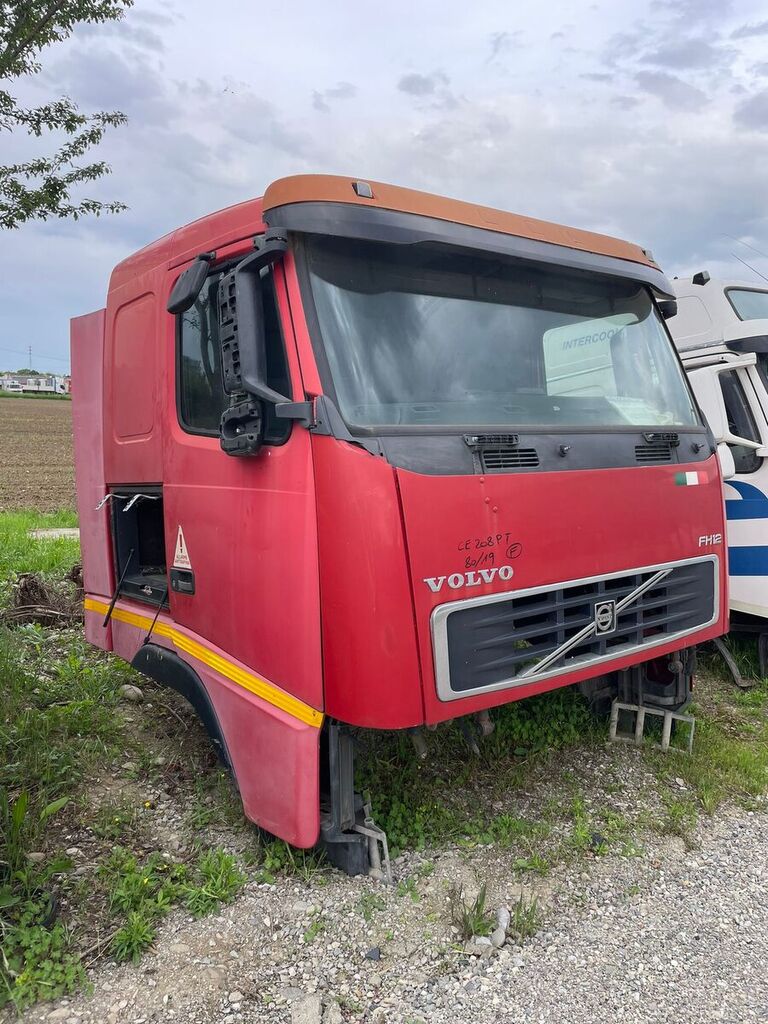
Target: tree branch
x=35, y=31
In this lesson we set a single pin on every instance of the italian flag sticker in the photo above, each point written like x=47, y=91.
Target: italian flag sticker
x=686, y=479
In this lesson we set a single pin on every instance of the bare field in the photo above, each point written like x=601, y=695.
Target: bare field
x=36, y=460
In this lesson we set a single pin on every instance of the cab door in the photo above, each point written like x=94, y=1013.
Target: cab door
x=241, y=532
x=746, y=493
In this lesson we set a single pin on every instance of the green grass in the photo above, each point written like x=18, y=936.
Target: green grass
x=525, y=919
x=21, y=553
x=141, y=892
x=35, y=394
x=725, y=763
x=421, y=803
x=58, y=713
x=471, y=916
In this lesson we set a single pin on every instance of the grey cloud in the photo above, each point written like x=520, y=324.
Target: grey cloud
x=625, y=44
x=625, y=102
x=501, y=42
x=686, y=11
x=422, y=85
x=597, y=76
x=340, y=91
x=759, y=28
x=152, y=17
x=753, y=113
x=760, y=69
x=102, y=78
x=126, y=31
x=671, y=90
x=689, y=53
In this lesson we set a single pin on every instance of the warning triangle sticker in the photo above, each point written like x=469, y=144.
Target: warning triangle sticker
x=181, y=558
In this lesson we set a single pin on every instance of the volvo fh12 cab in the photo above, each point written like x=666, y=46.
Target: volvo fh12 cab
x=352, y=455
x=721, y=330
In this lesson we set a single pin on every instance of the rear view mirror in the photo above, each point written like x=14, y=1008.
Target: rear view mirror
x=727, y=464
x=241, y=324
x=667, y=308
x=243, y=350
x=709, y=392
x=706, y=386
x=188, y=286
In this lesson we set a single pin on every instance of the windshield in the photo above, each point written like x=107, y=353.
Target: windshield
x=419, y=335
x=749, y=303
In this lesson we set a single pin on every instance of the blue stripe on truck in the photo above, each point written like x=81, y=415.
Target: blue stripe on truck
x=752, y=504
x=748, y=561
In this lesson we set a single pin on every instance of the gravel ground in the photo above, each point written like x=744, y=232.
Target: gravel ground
x=677, y=934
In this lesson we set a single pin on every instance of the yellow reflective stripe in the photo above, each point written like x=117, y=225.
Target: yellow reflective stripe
x=278, y=698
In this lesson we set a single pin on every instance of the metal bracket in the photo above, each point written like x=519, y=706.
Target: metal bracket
x=133, y=499
x=302, y=412
x=640, y=711
x=329, y=423
x=380, y=867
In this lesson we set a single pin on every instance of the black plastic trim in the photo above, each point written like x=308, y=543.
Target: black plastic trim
x=434, y=454
x=374, y=224
x=168, y=669
x=217, y=268
x=758, y=344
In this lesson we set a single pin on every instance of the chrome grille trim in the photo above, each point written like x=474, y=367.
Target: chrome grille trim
x=440, y=615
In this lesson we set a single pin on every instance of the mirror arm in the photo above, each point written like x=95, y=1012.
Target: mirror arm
x=302, y=412
x=742, y=442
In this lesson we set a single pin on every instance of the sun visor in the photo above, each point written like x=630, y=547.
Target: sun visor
x=395, y=227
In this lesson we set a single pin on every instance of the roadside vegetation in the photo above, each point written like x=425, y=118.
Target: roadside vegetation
x=114, y=812
x=34, y=394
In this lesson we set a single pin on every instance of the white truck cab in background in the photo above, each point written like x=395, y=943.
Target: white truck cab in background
x=721, y=332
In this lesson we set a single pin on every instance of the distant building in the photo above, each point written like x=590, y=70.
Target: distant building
x=47, y=383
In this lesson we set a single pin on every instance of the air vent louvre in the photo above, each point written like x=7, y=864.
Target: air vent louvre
x=495, y=460
x=659, y=451
x=478, y=440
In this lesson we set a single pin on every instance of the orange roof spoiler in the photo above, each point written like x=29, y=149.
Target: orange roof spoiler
x=330, y=188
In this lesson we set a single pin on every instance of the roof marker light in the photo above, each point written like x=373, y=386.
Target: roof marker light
x=362, y=189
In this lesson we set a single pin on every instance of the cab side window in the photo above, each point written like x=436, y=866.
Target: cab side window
x=200, y=396
x=741, y=422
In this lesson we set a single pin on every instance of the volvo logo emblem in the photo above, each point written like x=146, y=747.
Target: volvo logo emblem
x=605, y=617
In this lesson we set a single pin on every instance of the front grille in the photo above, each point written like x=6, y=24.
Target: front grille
x=512, y=640
x=657, y=451
x=495, y=460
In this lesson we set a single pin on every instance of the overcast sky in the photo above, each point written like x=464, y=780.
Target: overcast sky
x=652, y=126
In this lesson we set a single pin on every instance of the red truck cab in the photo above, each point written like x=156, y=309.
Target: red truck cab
x=355, y=455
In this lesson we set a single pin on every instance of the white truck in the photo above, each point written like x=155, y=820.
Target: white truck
x=721, y=332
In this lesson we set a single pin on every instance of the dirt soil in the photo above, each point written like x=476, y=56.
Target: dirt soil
x=36, y=460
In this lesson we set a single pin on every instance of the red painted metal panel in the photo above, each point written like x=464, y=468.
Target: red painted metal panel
x=275, y=757
x=369, y=642
x=551, y=527
x=133, y=384
x=87, y=349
